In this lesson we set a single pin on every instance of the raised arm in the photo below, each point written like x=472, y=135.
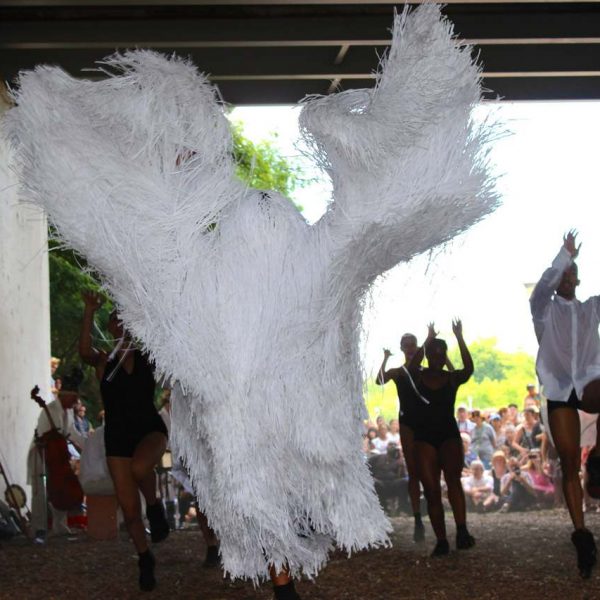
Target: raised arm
x=384, y=376
x=92, y=301
x=464, y=374
x=417, y=359
x=546, y=286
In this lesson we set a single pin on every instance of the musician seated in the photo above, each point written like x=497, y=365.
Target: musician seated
x=61, y=414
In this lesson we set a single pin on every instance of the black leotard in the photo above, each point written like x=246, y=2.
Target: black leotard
x=408, y=399
x=438, y=423
x=129, y=408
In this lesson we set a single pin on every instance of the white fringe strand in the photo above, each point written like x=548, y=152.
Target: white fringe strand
x=255, y=314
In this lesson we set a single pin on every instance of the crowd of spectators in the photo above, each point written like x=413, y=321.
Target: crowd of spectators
x=509, y=463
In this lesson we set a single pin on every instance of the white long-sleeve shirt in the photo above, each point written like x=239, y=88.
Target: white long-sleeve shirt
x=567, y=332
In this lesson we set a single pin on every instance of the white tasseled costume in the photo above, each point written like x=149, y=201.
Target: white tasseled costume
x=253, y=312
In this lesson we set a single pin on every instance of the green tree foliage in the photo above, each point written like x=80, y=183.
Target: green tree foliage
x=499, y=379
x=260, y=165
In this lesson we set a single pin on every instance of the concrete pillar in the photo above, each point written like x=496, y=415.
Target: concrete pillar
x=24, y=320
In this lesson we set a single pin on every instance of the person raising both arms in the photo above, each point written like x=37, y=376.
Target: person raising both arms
x=135, y=436
x=438, y=445
x=568, y=367
x=408, y=414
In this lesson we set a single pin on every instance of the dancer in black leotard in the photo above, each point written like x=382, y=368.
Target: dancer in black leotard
x=135, y=435
x=438, y=445
x=409, y=404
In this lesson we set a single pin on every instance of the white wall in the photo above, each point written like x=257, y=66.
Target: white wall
x=24, y=321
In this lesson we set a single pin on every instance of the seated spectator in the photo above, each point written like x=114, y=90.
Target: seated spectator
x=478, y=486
x=496, y=423
x=529, y=433
x=503, y=412
x=394, y=434
x=462, y=418
x=470, y=456
x=510, y=447
x=80, y=420
x=498, y=471
x=483, y=439
x=391, y=479
x=540, y=480
x=368, y=440
x=380, y=443
x=517, y=489
x=513, y=414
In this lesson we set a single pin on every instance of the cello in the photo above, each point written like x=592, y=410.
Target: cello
x=63, y=487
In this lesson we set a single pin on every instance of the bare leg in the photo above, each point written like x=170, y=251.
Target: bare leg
x=414, y=488
x=565, y=428
x=128, y=497
x=590, y=403
x=452, y=459
x=408, y=449
x=429, y=474
x=210, y=537
x=566, y=432
x=146, y=456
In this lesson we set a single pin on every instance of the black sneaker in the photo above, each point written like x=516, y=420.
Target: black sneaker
x=464, y=540
x=212, y=557
x=159, y=527
x=146, y=564
x=442, y=548
x=592, y=467
x=419, y=532
x=583, y=540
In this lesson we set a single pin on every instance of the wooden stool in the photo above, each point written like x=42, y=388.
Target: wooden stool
x=102, y=521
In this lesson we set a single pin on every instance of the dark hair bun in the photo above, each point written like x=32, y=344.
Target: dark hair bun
x=72, y=380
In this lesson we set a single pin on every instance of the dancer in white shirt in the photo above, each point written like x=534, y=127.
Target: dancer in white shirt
x=568, y=365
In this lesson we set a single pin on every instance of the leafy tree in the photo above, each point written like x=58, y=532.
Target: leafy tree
x=260, y=165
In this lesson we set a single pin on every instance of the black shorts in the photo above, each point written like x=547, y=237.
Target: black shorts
x=436, y=437
x=123, y=442
x=573, y=403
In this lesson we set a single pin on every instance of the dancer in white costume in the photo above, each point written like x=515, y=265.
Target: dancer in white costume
x=254, y=313
x=568, y=365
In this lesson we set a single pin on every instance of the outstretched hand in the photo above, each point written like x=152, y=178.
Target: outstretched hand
x=570, y=243
x=431, y=332
x=457, y=327
x=92, y=299
x=387, y=353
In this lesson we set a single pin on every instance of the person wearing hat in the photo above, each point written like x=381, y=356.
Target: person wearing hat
x=61, y=412
x=532, y=398
x=568, y=367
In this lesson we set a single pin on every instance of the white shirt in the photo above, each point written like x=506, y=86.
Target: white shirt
x=567, y=332
x=63, y=420
x=471, y=483
x=380, y=446
x=394, y=437
x=465, y=426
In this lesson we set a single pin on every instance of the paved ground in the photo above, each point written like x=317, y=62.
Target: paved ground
x=517, y=557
